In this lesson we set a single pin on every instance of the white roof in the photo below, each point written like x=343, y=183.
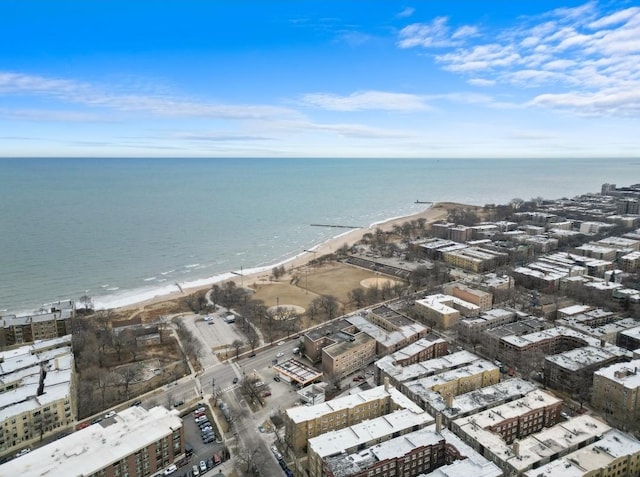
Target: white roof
x=86, y=451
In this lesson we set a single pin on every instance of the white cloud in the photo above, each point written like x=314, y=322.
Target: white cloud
x=367, y=100
x=436, y=34
x=162, y=105
x=406, y=12
x=465, y=31
x=481, y=82
x=576, y=57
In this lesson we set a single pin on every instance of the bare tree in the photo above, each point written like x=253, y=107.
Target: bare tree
x=236, y=345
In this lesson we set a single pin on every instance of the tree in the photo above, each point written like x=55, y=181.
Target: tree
x=330, y=305
x=236, y=345
x=87, y=302
x=357, y=297
x=253, y=338
x=127, y=375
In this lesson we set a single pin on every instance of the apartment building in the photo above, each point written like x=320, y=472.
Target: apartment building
x=52, y=322
x=444, y=310
x=476, y=375
x=345, y=357
x=510, y=421
x=429, y=347
x=615, y=391
x=480, y=298
x=572, y=371
x=363, y=435
x=470, y=329
x=453, y=407
x=135, y=442
x=390, y=338
x=616, y=454
x=37, y=393
x=387, y=367
x=305, y=422
x=475, y=259
x=629, y=338
x=431, y=450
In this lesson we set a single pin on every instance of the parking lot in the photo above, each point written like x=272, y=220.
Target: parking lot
x=215, y=335
x=201, y=451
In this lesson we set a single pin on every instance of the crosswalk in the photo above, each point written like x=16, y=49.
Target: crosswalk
x=229, y=388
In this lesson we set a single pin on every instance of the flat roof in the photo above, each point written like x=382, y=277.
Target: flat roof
x=335, y=442
x=306, y=413
x=86, y=451
x=298, y=371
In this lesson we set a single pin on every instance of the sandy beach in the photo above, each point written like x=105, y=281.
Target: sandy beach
x=437, y=211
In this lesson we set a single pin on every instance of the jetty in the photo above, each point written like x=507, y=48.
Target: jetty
x=422, y=202
x=337, y=226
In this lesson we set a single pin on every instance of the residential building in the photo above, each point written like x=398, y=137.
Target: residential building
x=53, y=321
x=616, y=454
x=305, y=422
x=363, y=435
x=135, y=442
x=387, y=367
x=615, y=391
x=444, y=311
x=345, y=357
x=37, y=393
x=482, y=299
x=430, y=450
x=475, y=259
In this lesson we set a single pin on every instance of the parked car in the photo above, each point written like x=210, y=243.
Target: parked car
x=203, y=466
x=109, y=414
x=201, y=409
x=266, y=394
x=195, y=471
x=208, y=439
x=206, y=428
x=171, y=469
x=136, y=403
x=276, y=379
x=279, y=355
x=235, y=380
x=24, y=451
x=178, y=403
x=200, y=419
x=252, y=355
x=280, y=343
x=204, y=424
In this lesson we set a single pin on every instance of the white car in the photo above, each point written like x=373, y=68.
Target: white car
x=280, y=355
x=280, y=343
x=109, y=414
x=208, y=318
x=171, y=469
x=203, y=466
x=24, y=451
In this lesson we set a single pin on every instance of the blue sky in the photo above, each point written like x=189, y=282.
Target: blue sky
x=320, y=78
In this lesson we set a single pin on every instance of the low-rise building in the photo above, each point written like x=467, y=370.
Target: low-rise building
x=470, y=329
x=480, y=298
x=444, y=310
x=615, y=454
x=573, y=370
x=363, y=435
x=475, y=259
x=615, y=391
x=305, y=422
x=345, y=357
x=476, y=375
x=37, y=392
x=430, y=450
x=508, y=422
x=53, y=321
x=135, y=443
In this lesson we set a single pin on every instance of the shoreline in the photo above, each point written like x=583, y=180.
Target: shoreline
x=437, y=211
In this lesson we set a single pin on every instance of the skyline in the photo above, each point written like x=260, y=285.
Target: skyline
x=319, y=79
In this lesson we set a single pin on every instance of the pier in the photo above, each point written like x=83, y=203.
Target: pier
x=422, y=202
x=337, y=226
